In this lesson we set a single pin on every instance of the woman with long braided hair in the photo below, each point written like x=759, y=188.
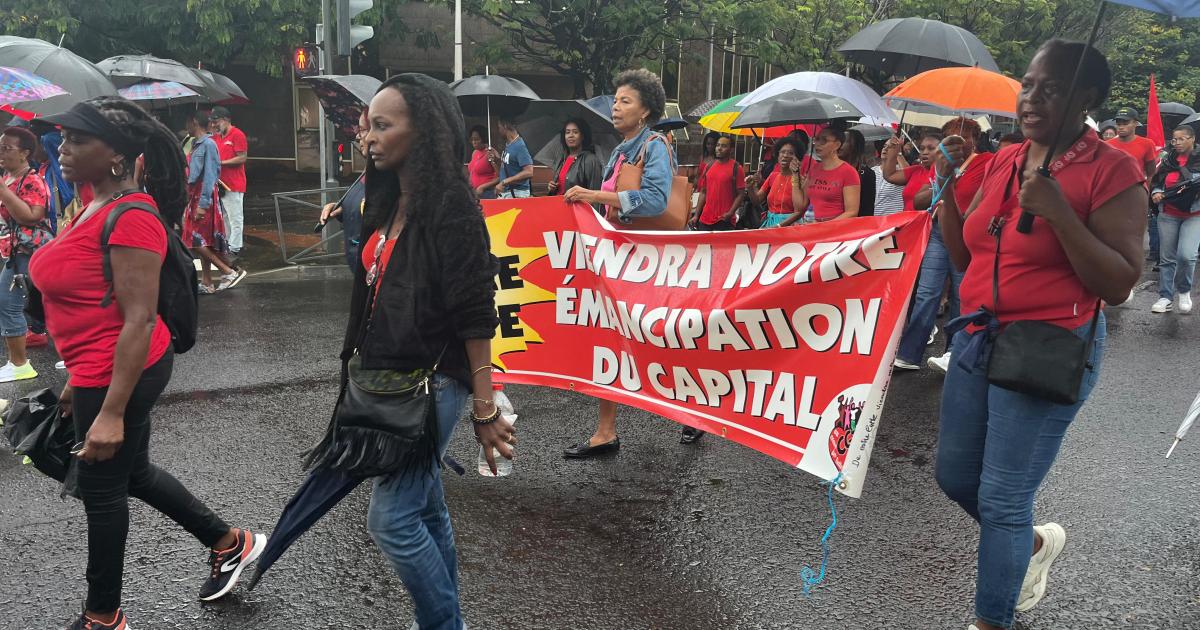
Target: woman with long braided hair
x=119, y=356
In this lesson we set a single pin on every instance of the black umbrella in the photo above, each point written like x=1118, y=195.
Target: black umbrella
x=670, y=124
x=125, y=70
x=490, y=94
x=1177, y=109
x=874, y=133
x=909, y=46
x=321, y=490
x=795, y=107
x=226, y=92
x=343, y=98
x=61, y=67
x=696, y=113
x=1193, y=121
x=542, y=122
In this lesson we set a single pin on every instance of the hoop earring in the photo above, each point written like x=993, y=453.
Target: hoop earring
x=115, y=174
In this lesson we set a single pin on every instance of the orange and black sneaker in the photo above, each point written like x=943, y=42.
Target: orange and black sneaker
x=87, y=623
x=227, y=565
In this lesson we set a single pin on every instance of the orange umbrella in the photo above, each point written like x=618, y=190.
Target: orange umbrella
x=964, y=90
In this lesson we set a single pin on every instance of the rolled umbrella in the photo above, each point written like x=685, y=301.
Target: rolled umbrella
x=1173, y=8
x=874, y=110
x=125, y=70
x=696, y=113
x=160, y=93
x=320, y=491
x=343, y=98
x=908, y=46
x=796, y=107
x=233, y=94
x=542, y=122
x=490, y=95
x=78, y=76
x=964, y=90
x=1188, y=420
x=20, y=86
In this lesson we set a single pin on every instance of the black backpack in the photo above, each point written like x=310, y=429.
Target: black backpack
x=178, y=291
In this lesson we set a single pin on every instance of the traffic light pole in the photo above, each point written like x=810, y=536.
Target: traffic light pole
x=326, y=66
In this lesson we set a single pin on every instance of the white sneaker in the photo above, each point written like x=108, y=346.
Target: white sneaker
x=940, y=364
x=1033, y=589
x=10, y=372
x=901, y=364
x=1163, y=305
x=932, y=336
x=1185, y=303
x=61, y=365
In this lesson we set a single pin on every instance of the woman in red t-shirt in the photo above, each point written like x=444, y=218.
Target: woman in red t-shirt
x=119, y=356
x=483, y=173
x=915, y=178
x=24, y=198
x=831, y=186
x=1178, y=227
x=996, y=445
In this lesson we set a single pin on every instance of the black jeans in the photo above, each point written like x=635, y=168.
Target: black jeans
x=107, y=486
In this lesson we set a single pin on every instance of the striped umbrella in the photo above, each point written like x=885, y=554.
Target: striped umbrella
x=19, y=86
x=722, y=115
x=160, y=93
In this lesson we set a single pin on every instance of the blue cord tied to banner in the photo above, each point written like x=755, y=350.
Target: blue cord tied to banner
x=812, y=578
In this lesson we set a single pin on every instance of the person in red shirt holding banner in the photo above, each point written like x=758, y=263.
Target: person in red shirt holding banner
x=914, y=178
x=995, y=444
x=722, y=189
x=233, y=147
x=579, y=165
x=119, y=355
x=936, y=266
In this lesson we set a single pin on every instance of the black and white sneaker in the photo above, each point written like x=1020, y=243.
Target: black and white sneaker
x=227, y=565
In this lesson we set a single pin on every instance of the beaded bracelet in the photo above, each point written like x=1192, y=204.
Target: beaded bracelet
x=485, y=420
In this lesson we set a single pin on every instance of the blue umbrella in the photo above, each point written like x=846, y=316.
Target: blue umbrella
x=1173, y=8
x=323, y=489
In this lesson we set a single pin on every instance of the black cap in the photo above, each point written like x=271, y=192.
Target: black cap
x=1127, y=113
x=87, y=118
x=219, y=113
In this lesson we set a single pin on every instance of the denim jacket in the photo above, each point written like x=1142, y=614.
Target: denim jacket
x=651, y=199
x=204, y=165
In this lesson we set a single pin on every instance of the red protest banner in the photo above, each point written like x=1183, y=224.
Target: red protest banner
x=780, y=339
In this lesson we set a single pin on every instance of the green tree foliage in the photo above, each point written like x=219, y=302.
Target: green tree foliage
x=1146, y=43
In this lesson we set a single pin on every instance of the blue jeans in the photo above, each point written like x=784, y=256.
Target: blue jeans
x=12, y=297
x=935, y=268
x=1152, y=228
x=995, y=447
x=1179, y=240
x=410, y=523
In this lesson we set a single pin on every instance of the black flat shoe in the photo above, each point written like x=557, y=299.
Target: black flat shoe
x=584, y=449
x=690, y=435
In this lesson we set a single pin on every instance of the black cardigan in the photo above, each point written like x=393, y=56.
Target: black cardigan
x=438, y=291
x=585, y=171
x=1170, y=165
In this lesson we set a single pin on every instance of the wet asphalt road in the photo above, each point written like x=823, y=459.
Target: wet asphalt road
x=710, y=536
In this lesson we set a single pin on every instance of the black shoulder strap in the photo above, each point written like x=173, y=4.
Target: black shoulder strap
x=110, y=223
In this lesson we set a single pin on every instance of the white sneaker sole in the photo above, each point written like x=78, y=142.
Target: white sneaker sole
x=260, y=540
x=1039, y=589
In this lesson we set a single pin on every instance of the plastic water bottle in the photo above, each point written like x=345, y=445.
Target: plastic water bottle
x=507, y=414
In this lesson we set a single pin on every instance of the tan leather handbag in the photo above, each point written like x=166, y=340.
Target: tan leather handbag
x=678, y=202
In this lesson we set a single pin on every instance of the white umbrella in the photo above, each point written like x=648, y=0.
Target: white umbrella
x=875, y=111
x=1188, y=421
x=935, y=119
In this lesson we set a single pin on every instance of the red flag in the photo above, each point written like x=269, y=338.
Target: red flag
x=19, y=113
x=1154, y=126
